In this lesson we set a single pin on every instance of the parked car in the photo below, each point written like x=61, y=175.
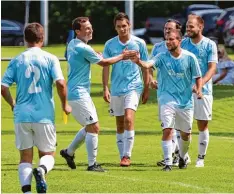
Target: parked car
x=183, y=16
x=12, y=33
x=154, y=29
x=220, y=23
x=228, y=33
x=209, y=17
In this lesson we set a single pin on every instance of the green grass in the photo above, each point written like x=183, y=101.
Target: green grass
x=143, y=175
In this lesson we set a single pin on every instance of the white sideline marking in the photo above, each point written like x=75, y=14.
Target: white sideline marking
x=164, y=182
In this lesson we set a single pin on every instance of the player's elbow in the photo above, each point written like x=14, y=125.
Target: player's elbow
x=104, y=63
x=3, y=90
x=61, y=84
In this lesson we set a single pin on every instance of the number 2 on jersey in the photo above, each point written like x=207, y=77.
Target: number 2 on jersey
x=33, y=88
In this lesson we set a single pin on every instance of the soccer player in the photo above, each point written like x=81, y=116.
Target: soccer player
x=159, y=48
x=178, y=68
x=206, y=52
x=126, y=85
x=80, y=56
x=34, y=71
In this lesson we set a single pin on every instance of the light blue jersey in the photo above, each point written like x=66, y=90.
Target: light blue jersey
x=33, y=71
x=158, y=48
x=80, y=56
x=125, y=75
x=205, y=51
x=176, y=86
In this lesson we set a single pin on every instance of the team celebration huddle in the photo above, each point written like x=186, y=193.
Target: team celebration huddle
x=184, y=67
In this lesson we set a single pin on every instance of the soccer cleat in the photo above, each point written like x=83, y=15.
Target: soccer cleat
x=96, y=168
x=40, y=180
x=175, y=161
x=199, y=163
x=161, y=163
x=69, y=159
x=167, y=168
x=183, y=163
x=125, y=161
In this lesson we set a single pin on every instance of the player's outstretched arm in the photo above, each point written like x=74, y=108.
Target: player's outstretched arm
x=62, y=92
x=6, y=94
x=125, y=55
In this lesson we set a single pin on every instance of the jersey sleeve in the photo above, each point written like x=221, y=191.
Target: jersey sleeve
x=56, y=70
x=106, y=52
x=9, y=76
x=156, y=61
x=213, y=54
x=143, y=52
x=195, y=68
x=90, y=55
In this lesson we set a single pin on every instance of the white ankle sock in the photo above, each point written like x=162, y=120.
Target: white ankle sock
x=120, y=143
x=129, y=137
x=174, y=141
x=25, y=174
x=167, y=151
x=91, y=141
x=48, y=162
x=77, y=142
x=184, y=147
x=203, y=142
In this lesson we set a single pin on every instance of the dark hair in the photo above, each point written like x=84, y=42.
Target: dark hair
x=76, y=23
x=121, y=16
x=178, y=24
x=177, y=32
x=197, y=17
x=34, y=33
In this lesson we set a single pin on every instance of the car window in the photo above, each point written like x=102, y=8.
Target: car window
x=8, y=25
x=211, y=18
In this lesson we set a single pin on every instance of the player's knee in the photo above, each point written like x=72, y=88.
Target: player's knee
x=128, y=120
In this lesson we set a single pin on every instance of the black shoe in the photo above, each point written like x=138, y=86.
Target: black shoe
x=96, y=167
x=167, y=168
x=175, y=161
x=183, y=163
x=40, y=180
x=161, y=163
x=69, y=159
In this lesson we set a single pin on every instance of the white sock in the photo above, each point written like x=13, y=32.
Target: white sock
x=91, y=141
x=203, y=142
x=25, y=175
x=77, y=142
x=167, y=151
x=174, y=141
x=184, y=147
x=120, y=143
x=48, y=162
x=129, y=137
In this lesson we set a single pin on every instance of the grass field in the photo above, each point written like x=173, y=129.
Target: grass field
x=143, y=176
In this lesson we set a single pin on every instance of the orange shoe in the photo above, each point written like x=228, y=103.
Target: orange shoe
x=125, y=161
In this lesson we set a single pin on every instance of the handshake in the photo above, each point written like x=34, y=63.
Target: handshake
x=132, y=55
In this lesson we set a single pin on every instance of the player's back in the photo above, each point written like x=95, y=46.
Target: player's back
x=32, y=71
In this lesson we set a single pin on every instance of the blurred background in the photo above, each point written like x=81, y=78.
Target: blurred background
x=148, y=16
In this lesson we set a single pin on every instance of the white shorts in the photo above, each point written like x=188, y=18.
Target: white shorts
x=118, y=104
x=172, y=117
x=41, y=135
x=203, y=107
x=84, y=111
